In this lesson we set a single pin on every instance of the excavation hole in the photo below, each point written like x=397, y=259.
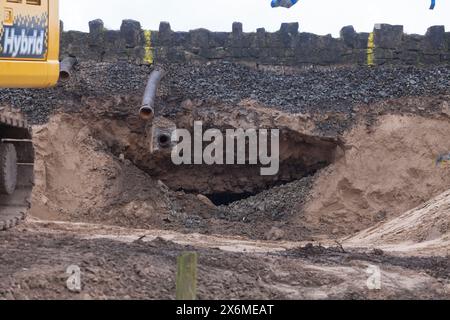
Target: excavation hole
x=226, y=198
x=299, y=156
x=299, y=153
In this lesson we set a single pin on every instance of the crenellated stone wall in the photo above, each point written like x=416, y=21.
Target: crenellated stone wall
x=388, y=44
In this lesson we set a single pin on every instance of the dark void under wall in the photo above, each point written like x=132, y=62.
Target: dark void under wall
x=388, y=44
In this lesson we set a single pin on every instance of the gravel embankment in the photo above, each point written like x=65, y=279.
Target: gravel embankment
x=315, y=90
x=309, y=91
x=89, y=80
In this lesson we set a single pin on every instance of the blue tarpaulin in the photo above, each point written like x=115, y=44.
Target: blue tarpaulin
x=433, y=4
x=283, y=3
x=290, y=3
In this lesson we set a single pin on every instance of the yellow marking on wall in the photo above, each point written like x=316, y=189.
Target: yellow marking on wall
x=370, y=50
x=148, y=57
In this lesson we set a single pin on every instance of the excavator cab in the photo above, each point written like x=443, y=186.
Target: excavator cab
x=29, y=43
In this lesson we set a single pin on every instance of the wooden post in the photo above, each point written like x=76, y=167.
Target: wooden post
x=187, y=276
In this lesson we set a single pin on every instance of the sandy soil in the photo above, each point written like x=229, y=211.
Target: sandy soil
x=390, y=168
x=425, y=229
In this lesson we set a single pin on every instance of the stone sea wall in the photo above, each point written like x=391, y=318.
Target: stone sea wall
x=387, y=44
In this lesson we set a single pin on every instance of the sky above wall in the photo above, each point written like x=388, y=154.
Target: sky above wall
x=316, y=16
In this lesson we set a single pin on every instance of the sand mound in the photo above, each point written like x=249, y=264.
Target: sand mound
x=426, y=228
x=390, y=169
x=76, y=177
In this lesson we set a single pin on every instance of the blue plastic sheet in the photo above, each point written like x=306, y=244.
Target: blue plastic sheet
x=283, y=3
x=290, y=3
x=433, y=4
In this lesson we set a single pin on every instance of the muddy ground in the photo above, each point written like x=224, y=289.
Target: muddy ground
x=358, y=188
x=35, y=259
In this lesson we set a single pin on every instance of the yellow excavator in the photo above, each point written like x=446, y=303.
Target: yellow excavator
x=29, y=58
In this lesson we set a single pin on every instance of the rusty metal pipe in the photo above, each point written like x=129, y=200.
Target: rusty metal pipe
x=65, y=68
x=147, y=110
